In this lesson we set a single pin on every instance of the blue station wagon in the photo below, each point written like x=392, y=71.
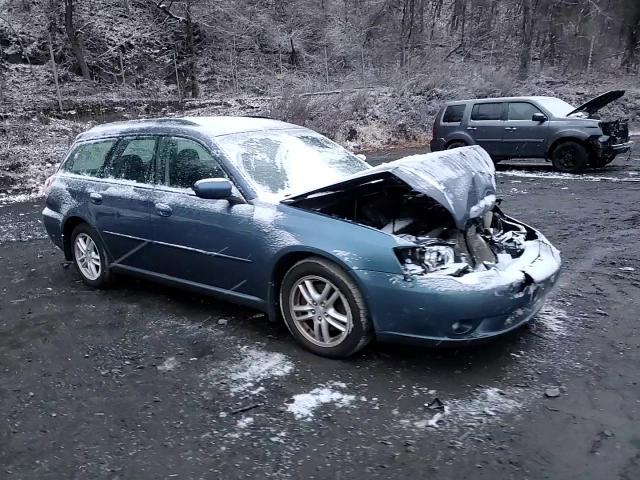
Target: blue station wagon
x=279, y=218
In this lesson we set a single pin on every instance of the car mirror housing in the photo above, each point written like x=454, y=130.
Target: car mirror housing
x=539, y=117
x=213, y=188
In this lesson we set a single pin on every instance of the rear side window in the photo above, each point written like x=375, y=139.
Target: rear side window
x=132, y=160
x=487, y=111
x=522, y=111
x=453, y=114
x=89, y=158
x=182, y=162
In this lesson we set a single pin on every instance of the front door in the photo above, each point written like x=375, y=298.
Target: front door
x=486, y=126
x=120, y=203
x=523, y=136
x=198, y=241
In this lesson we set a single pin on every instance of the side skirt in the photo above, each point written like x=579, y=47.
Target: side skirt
x=229, y=295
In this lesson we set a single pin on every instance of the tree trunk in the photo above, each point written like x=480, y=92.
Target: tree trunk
x=74, y=39
x=191, y=52
x=632, y=40
x=527, y=39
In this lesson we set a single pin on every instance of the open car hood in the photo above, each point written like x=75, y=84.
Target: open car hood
x=462, y=180
x=595, y=104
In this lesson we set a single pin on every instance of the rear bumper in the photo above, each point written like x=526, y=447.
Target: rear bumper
x=53, y=225
x=437, y=144
x=442, y=309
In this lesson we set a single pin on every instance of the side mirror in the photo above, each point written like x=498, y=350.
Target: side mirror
x=539, y=117
x=213, y=188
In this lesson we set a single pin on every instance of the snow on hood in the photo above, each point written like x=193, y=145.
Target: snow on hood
x=595, y=104
x=462, y=180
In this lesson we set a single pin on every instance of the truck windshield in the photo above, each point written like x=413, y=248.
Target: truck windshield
x=556, y=107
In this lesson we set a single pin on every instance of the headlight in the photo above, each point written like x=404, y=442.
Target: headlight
x=425, y=259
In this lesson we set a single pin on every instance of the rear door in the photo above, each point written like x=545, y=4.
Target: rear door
x=120, y=203
x=523, y=137
x=486, y=126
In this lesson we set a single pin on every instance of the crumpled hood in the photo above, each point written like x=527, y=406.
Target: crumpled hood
x=595, y=104
x=462, y=180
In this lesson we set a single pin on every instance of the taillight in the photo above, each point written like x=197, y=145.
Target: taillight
x=47, y=184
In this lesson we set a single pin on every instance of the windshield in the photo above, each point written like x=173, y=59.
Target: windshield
x=279, y=163
x=556, y=107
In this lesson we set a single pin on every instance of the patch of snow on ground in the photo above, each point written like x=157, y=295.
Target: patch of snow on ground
x=244, y=422
x=305, y=404
x=168, y=365
x=486, y=405
x=565, y=176
x=255, y=366
x=553, y=319
x=22, y=197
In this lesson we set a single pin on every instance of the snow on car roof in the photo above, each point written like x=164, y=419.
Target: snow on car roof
x=213, y=126
x=499, y=99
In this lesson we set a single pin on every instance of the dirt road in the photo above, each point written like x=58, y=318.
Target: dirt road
x=147, y=382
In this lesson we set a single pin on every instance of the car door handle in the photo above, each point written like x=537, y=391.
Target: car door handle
x=511, y=129
x=163, y=210
x=472, y=128
x=95, y=198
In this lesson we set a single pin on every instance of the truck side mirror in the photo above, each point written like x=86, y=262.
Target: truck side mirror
x=539, y=117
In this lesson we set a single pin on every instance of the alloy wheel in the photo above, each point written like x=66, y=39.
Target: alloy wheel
x=320, y=311
x=87, y=256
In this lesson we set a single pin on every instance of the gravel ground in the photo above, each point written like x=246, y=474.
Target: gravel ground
x=142, y=381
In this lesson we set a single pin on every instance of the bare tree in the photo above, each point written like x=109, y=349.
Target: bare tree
x=632, y=40
x=75, y=39
x=527, y=38
x=189, y=34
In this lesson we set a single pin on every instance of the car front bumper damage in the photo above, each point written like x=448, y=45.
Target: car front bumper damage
x=443, y=309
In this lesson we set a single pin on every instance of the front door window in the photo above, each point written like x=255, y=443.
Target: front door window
x=182, y=162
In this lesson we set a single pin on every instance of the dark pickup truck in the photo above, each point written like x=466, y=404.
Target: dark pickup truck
x=535, y=127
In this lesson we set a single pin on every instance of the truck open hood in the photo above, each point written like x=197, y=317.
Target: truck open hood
x=595, y=104
x=462, y=180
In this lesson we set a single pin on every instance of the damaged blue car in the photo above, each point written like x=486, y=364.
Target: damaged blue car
x=279, y=218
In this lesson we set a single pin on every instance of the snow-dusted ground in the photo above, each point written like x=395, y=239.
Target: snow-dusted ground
x=304, y=405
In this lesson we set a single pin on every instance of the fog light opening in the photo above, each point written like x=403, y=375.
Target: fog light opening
x=460, y=328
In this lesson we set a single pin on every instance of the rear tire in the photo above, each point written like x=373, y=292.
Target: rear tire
x=324, y=309
x=90, y=257
x=570, y=157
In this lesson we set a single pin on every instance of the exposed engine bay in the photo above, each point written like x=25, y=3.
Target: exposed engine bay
x=437, y=243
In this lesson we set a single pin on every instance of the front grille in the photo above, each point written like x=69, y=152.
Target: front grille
x=618, y=130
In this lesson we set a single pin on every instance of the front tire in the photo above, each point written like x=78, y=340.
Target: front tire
x=570, y=157
x=324, y=309
x=90, y=257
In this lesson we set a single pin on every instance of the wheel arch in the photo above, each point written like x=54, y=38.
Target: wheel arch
x=69, y=225
x=287, y=259
x=459, y=138
x=581, y=139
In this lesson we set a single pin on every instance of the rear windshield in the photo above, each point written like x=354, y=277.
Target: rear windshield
x=453, y=114
x=487, y=111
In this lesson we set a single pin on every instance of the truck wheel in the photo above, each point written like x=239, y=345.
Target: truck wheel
x=570, y=157
x=456, y=144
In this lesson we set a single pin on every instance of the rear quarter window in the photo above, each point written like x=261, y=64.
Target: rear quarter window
x=89, y=158
x=453, y=114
